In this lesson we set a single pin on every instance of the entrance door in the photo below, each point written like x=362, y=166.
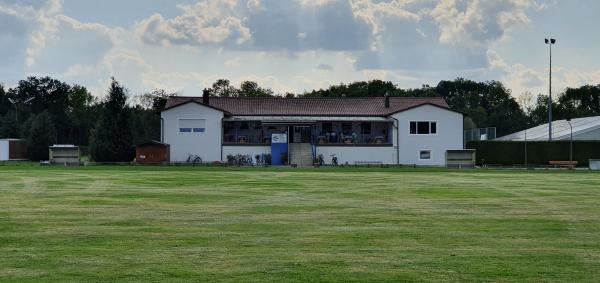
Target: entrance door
x=301, y=134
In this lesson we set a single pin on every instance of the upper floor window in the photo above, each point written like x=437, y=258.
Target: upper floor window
x=192, y=125
x=423, y=128
x=327, y=127
x=365, y=128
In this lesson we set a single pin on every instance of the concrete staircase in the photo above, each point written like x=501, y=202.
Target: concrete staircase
x=301, y=154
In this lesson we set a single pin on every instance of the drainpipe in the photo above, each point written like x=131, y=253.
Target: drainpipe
x=222, y=132
x=162, y=130
x=397, y=127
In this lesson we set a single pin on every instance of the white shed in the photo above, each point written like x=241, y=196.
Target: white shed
x=12, y=149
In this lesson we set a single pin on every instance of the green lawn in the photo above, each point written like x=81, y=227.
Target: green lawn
x=297, y=225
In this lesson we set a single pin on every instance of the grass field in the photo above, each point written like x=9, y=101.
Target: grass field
x=297, y=225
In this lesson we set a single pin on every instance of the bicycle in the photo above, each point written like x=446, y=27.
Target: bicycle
x=334, y=160
x=193, y=158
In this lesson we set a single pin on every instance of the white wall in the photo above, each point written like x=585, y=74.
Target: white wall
x=352, y=154
x=207, y=145
x=449, y=135
x=245, y=150
x=4, y=150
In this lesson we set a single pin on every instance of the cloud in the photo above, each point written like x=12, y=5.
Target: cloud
x=434, y=35
x=15, y=24
x=476, y=23
x=325, y=67
x=234, y=62
x=207, y=22
x=260, y=25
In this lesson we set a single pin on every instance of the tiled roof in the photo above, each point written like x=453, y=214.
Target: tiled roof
x=364, y=106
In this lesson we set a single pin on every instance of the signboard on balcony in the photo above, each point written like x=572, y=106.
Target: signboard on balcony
x=279, y=149
x=279, y=138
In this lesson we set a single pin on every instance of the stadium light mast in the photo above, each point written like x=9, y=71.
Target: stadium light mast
x=15, y=102
x=550, y=42
x=571, y=143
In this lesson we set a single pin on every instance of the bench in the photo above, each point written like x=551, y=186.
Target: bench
x=562, y=163
x=368, y=163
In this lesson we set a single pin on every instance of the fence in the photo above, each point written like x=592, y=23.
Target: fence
x=534, y=152
x=480, y=134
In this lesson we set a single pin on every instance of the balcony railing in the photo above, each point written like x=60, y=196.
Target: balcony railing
x=333, y=134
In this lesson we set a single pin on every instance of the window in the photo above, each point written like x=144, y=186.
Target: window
x=346, y=128
x=192, y=125
x=423, y=128
x=327, y=127
x=425, y=154
x=365, y=128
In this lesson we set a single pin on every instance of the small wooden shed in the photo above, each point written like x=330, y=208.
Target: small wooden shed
x=153, y=152
x=66, y=154
x=13, y=149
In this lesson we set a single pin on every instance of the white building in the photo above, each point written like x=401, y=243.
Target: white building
x=375, y=130
x=582, y=128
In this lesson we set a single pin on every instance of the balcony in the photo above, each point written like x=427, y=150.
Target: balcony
x=321, y=133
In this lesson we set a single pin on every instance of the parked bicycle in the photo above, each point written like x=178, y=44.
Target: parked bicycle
x=319, y=160
x=334, y=160
x=194, y=159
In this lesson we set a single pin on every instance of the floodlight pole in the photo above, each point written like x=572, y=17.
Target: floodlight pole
x=550, y=42
x=571, y=143
x=14, y=102
x=525, y=147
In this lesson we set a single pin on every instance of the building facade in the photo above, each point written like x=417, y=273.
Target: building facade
x=376, y=130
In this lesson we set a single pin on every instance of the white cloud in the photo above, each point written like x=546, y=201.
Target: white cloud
x=207, y=22
x=233, y=62
x=478, y=22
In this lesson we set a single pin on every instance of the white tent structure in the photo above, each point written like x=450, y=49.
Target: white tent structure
x=583, y=129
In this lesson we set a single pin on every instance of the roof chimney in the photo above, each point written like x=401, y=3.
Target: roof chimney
x=387, y=100
x=205, y=96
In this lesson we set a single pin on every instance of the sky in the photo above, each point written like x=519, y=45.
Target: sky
x=183, y=46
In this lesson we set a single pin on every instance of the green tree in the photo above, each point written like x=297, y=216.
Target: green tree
x=155, y=100
x=583, y=101
x=251, y=89
x=223, y=88
x=42, y=134
x=111, y=140
x=5, y=104
x=8, y=126
x=489, y=104
x=82, y=113
x=44, y=94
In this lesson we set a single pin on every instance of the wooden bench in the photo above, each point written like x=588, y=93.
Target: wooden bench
x=562, y=163
x=368, y=163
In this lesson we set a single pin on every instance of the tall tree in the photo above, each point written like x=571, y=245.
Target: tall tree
x=155, y=100
x=42, y=134
x=44, y=94
x=111, y=139
x=251, y=89
x=579, y=102
x=223, y=88
x=4, y=102
x=8, y=126
x=489, y=104
x=81, y=112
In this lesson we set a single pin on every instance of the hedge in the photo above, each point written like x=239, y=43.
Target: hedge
x=538, y=152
